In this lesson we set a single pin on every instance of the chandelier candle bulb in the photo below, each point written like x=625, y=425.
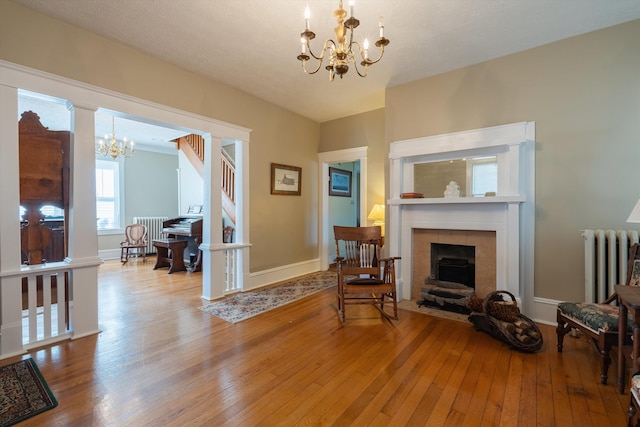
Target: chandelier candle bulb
x=366, y=49
x=381, y=27
x=307, y=17
x=351, y=6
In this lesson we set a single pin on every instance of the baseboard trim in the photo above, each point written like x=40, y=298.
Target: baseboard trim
x=109, y=254
x=279, y=274
x=544, y=311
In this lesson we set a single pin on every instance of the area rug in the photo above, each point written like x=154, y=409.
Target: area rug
x=412, y=305
x=245, y=305
x=23, y=392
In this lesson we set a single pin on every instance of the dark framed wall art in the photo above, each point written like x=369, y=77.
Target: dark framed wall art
x=339, y=182
x=286, y=180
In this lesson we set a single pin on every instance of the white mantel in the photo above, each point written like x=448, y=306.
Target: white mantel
x=510, y=214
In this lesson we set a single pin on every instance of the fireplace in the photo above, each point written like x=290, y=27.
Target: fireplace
x=453, y=263
x=478, y=247
x=500, y=228
x=457, y=270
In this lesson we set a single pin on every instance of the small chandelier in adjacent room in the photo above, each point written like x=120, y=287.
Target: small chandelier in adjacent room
x=113, y=148
x=342, y=51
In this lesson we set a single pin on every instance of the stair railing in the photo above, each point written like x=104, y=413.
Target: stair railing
x=228, y=178
x=196, y=143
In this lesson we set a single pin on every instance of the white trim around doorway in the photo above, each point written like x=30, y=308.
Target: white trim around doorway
x=324, y=159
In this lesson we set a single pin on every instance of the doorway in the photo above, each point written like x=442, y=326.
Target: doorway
x=325, y=160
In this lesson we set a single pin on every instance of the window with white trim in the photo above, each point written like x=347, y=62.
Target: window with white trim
x=108, y=205
x=483, y=172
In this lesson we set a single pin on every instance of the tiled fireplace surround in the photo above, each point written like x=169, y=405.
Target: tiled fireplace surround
x=484, y=243
x=500, y=227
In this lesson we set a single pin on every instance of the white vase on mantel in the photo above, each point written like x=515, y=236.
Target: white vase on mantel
x=452, y=190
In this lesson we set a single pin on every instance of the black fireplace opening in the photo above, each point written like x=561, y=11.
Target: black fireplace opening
x=453, y=263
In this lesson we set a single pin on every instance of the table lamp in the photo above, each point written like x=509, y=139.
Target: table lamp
x=634, y=216
x=377, y=216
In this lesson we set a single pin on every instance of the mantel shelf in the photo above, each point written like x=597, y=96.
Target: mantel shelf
x=458, y=200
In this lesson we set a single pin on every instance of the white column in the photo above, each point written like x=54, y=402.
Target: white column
x=10, y=282
x=394, y=240
x=83, y=235
x=513, y=251
x=212, y=260
x=242, y=212
x=323, y=223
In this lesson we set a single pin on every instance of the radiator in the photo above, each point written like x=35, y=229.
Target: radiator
x=154, y=229
x=606, y=254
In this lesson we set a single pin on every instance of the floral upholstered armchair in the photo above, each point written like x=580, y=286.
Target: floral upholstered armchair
x=598, y=321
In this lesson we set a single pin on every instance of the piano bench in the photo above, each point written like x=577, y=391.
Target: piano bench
x=170, y=254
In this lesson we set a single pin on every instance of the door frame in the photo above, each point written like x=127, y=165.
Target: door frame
x=324, y=159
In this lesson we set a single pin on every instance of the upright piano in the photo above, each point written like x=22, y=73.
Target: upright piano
x=188, y=228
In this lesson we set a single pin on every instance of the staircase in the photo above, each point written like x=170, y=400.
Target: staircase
x=193, y=148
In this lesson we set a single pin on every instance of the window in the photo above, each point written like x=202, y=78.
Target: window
x=108, y=206
x=484, y=176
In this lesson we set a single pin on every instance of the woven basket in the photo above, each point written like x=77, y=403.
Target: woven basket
x=502, y=329
x=496, y=306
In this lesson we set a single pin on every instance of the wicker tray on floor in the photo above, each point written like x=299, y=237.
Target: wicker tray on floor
x=521, y=333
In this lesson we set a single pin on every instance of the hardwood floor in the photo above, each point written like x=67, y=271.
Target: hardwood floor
x=159, y=361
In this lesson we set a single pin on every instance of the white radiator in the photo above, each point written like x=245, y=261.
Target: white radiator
x=154, y=229
x=606, y=253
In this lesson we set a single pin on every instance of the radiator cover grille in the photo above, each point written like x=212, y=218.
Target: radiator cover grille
x=154, y=229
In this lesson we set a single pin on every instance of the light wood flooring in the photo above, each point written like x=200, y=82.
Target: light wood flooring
x=159, y=361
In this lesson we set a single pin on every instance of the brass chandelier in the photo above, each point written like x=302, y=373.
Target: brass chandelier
x=114, y=149
x=342, y=51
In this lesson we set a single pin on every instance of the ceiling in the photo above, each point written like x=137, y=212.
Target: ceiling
x=253, y=44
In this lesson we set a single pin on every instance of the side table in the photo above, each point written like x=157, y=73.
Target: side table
x=628, y=302
x=170, y=254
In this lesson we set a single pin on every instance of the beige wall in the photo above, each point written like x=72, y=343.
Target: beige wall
x=361, y=130
x=34, y=40
x=584, y=95
x=151, y=189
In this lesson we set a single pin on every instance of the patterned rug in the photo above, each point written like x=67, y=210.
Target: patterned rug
x=245, y=305
x=24, y=393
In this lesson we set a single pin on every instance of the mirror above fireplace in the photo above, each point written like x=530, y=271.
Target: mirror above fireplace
x=477, y=176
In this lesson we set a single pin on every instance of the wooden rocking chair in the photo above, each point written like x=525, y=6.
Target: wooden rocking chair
x=135, y=242
x=364, y=278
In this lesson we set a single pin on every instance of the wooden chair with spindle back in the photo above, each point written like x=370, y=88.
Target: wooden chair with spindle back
x=363, y=277
x=227, y=234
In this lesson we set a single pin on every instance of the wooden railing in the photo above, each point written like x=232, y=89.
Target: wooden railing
x=195, y=154
x=197, y=143
x=228, y=178
x=46, y=312
x=231, y=283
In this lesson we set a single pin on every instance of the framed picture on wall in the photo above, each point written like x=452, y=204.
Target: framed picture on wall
x=286, y=180
x=339, y=182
